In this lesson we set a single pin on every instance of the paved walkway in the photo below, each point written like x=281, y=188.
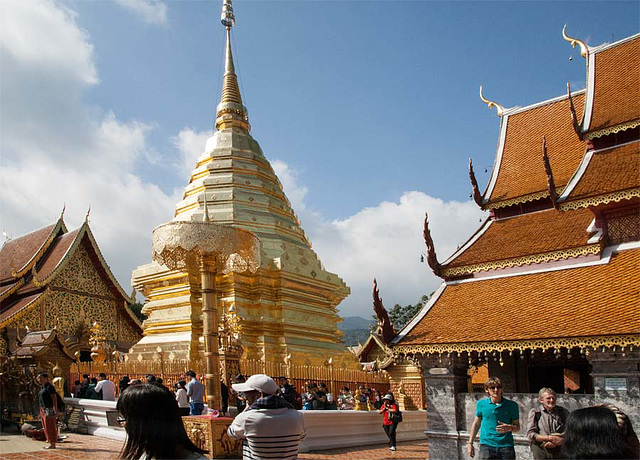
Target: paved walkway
x=77, y=446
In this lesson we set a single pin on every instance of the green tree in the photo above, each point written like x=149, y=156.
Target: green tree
x=136, y=309
x=400, y=316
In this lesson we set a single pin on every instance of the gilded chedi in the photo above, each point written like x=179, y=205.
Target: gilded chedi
x=288, y=306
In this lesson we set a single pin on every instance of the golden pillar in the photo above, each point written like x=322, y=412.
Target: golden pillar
x=206, y=248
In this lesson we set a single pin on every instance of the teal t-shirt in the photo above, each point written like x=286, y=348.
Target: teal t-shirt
x=506, y=412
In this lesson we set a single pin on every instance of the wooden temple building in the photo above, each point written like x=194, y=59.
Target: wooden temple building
x=57, y=279
x=547, y=291
x=287, y=309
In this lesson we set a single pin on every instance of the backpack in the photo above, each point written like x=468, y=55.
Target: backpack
x=395, y=417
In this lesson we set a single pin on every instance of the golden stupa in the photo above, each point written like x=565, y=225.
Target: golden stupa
x=288, y=306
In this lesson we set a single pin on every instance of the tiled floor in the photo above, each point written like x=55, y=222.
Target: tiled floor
x=77, y=446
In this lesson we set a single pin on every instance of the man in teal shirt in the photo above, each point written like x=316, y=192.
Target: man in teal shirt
x=497, y=418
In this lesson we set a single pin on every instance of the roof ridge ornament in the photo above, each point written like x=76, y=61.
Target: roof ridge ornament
x=492, y=104
x=553, y=195
x=477, y=196
x=584, y=49
x=385, y=328
x=432, y=258
x=86, y=217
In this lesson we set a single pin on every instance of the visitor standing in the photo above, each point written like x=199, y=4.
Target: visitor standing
x=269, y=427
x=497, y=418
x=105, y=389
x=241, y=404
x=48, y=402
x=182, y=398
x=545, y=425
x=123, y=384
x=195, y=391
x=287, y=390
x=345, y=400
x=91, y=390
x=224, y=396
x=84, y=386
x=391, y=418
x=151, y=418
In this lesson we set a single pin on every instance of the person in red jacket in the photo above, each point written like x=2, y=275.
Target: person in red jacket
x=389, y=406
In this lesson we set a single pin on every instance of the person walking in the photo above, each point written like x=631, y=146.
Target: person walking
x=105, y=389
x=48, y=402
x=195, y=391
x=269, y=427
x=496, y=418
x=391, y=418
x=545, y=425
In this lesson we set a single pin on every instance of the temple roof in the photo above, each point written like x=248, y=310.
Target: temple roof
x=514, y=241
x=518, y=173
x=18, y=254
x=613, y=91
x=38, y=342
x=605, y=172
x=596, y=299
x=47, y=256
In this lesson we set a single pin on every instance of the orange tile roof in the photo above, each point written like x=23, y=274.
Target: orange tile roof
x=527, y=234
x=609, y=171
x=521, y=171
x=587, y=301
x=616, y=93
x=17, y=252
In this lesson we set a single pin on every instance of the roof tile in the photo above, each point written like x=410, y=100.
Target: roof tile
x=521, y=171
x=616, y=88
x=587, y=301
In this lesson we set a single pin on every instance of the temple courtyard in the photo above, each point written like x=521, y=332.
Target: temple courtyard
x=79, y=446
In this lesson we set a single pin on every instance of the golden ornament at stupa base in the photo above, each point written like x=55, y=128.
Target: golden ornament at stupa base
x=288, y=306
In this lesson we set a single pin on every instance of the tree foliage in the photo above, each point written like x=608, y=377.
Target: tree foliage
x=400, y=316
x=136, y=309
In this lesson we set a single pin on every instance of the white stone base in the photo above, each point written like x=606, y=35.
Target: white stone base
x=325, y=429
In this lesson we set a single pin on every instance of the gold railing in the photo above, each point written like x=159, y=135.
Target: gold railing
x=172, y=371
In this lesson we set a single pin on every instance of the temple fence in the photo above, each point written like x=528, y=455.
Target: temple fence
x=173, y=371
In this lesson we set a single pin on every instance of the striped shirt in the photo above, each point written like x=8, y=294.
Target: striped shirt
x=269, y=433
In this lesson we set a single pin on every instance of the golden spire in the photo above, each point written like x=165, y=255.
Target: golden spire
x=492, y=104
x=230, y=112
x=584, y=49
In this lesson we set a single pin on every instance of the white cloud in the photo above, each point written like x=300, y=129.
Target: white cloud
x=191, y=145
x=151, y=11
x=385, y=242
x=57, y=149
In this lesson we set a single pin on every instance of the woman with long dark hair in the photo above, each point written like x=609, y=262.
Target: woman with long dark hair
x=593, y=433
x=152, y=420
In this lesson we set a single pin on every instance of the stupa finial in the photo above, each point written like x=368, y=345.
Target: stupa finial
x=230, y=112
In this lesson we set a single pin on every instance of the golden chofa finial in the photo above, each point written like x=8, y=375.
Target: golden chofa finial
x=492, y=104
x=584, y=49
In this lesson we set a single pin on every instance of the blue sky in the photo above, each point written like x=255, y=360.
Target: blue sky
x=368, y=110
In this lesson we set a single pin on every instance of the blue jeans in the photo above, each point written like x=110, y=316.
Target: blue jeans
x=196, y=408
x=497, y=453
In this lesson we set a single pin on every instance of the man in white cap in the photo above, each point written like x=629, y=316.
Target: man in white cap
x=269, y=427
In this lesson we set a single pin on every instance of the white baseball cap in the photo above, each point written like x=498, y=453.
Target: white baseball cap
x=260, y=382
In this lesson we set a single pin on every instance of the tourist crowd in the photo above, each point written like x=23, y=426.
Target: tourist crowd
x=602, y=431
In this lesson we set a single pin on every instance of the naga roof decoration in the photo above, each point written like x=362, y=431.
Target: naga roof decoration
x=385, y=328
x=432, y=258
x=608, y=290
x=613, y=92
x=576, y=262
x=518, y=175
